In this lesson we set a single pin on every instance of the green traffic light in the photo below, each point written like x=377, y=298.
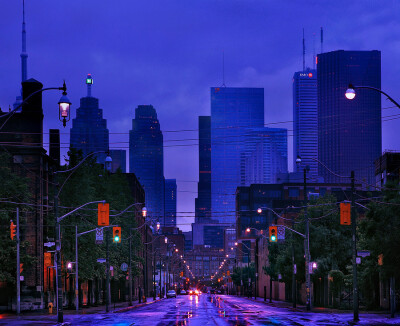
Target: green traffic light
x=116, y=239
x=273, y=238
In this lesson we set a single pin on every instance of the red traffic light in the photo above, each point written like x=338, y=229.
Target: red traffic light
x=13, y=230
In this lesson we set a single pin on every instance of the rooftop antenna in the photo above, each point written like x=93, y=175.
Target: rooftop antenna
x=89, y=83
x=322, y=40
x=24, y=55
x=313, y=41
x=304, y=53
x=223, y=69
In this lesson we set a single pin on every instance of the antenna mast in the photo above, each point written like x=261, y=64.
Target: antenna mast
x=304, y=53
x=24, y=55
x=223, y=69
x=322, y=41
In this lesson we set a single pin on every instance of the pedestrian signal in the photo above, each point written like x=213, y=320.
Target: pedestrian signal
x=103, y=214
x=345, y=213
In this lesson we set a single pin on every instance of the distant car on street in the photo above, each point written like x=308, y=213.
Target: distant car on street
x=183, y=292
x=171, y=294
x=194, y=292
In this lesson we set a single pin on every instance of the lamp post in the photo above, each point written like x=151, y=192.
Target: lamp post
x=351, y=93
x=64, y=105
x=307, y=239
x=57, y=192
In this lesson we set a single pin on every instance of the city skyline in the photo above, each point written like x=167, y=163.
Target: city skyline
x=150, y=75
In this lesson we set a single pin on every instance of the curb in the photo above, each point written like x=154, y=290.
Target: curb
x=277, y=306
x=136, y=306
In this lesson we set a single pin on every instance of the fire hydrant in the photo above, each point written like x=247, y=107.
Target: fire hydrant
x=50, y=305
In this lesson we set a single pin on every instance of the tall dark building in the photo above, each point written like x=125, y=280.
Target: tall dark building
x=203, y=200
x=146, y=158
x=349, y=131
x=233, y=112
x=118, y=160
x=170, y=202
x=89, y=131
x=305, y=119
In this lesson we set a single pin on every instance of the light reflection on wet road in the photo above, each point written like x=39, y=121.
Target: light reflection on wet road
x=207, y=310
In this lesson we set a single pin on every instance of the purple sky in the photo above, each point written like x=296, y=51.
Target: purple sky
x=169, y=53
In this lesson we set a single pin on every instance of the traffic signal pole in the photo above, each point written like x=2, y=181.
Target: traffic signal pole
x=307, y=246
x=354, y=229
x=18, y=269
x=108, y=301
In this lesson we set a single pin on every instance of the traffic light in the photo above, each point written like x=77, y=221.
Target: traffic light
x=103, y=214
x=21, y=268
x=345, y=213
x=228, y=273
x=181, y=274
x=117, y=234
x=13, y=229
x=273, y=234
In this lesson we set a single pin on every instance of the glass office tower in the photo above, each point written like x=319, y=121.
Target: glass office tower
x=170, y=202
x=146, y=158
x=89, y=131
x=349, y=131
x=264, y=156
x=233, y=112
x=305, y=120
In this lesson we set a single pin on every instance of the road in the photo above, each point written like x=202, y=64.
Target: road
x=210, y=310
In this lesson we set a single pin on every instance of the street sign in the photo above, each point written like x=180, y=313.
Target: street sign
x=101, y=260
x=295, y=269
x=99, y=235
x=49, y=244
x=124, y=267
x=358, y=260
x=281, y=232
x=363, y=253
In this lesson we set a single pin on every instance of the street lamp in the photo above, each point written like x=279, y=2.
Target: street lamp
x=307, y=240
x=351, y=93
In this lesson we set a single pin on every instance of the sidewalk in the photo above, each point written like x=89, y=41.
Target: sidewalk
x=43, y=315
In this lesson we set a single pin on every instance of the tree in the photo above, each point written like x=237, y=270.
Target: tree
x=14, y=189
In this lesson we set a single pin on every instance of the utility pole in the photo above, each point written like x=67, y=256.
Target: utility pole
x=307, y=246
x=130, y=267
x=108, y=301
x=60, y=317
x=76, y=270
x=294, y=288
x=18, y=269
x=354, y=229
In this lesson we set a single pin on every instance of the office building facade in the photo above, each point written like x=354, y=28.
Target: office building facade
x=349, y=131
x=305, y=119
x=233, y=112
x=89, y=131
x=203, y=200
x=264, y=156
x=170, y=202
x=118, y=160
x=146, y=158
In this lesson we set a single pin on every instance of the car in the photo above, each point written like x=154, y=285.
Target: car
x=171, y=294
x=183, y=292
x=194, y=292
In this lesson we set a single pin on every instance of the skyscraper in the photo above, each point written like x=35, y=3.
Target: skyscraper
x=146, y=158
x=203, y=200
x=170, y=202
x=349, y=132
x=89, y=131
x=118, y=160
x=305, y=116
x=264, y=155
x=233, y=112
